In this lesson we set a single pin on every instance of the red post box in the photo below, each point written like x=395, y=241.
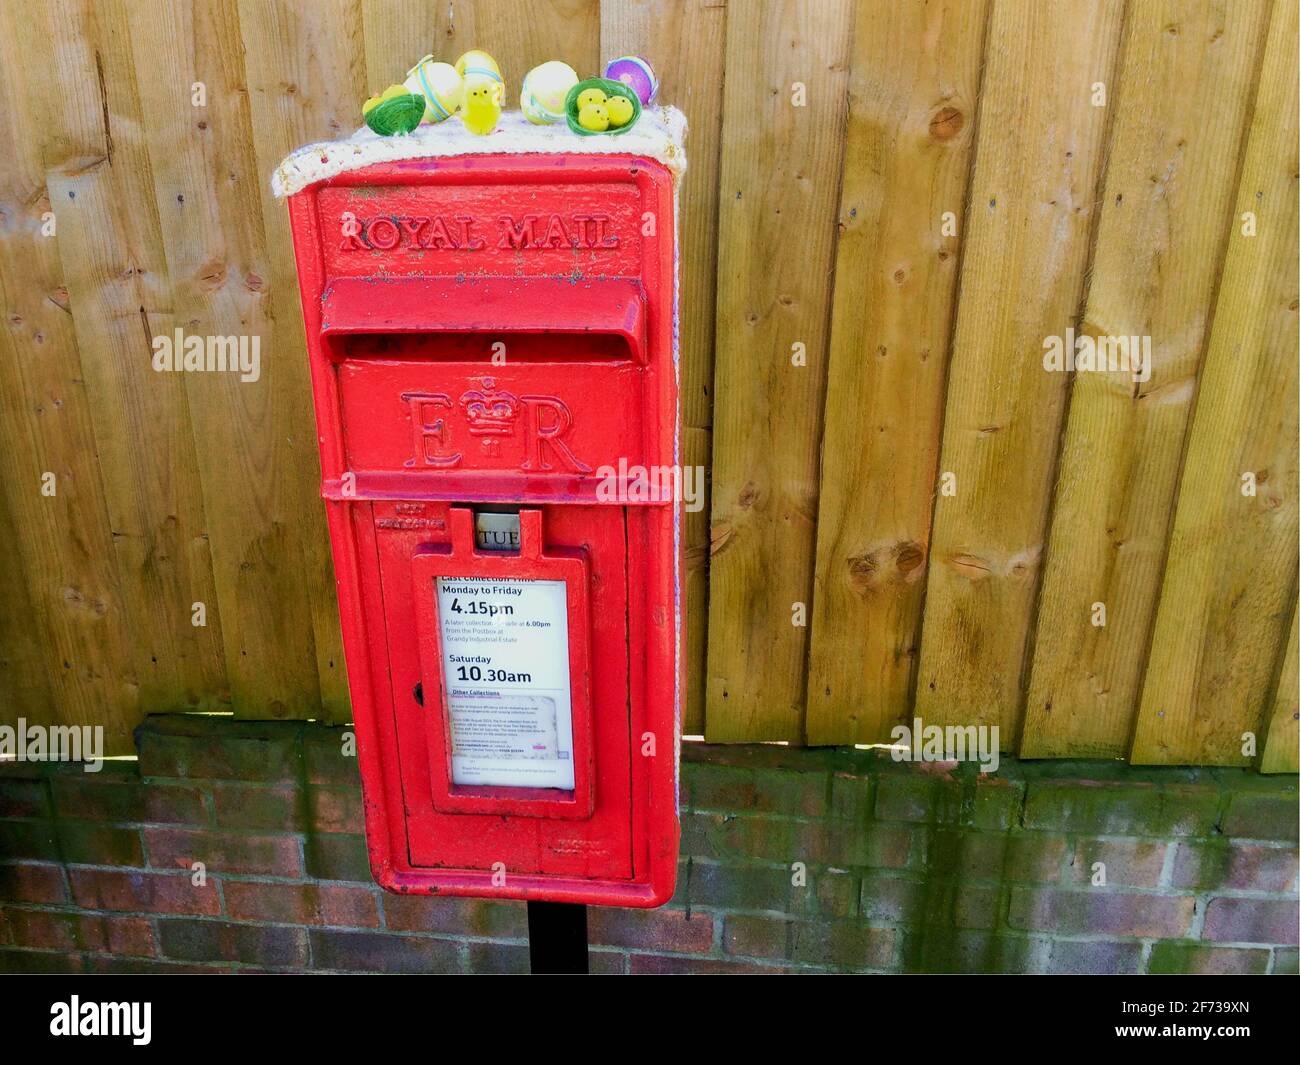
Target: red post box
x=492, y=347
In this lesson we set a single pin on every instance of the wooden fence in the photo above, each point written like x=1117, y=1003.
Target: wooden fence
x=890, y=206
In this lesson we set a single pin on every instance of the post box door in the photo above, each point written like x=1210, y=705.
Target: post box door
x=584, y=831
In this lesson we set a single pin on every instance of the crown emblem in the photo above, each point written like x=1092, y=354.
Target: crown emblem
x=489, y=411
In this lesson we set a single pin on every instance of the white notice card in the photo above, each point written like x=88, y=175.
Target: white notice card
x=505, y=660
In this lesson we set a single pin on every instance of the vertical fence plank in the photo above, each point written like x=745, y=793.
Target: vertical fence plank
x=62, y=541
x=907, y=162
x=1229, y=585
x=1185, y=90
x=686, y=44
x=305, y=78
x=1281, y=751
x=521, y=38
x=777, y=198
x=110, y=245
x=400, y=32
x=1038, y=160
x=208, y=190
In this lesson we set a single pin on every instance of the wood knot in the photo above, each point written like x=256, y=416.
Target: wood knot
x=908, y=555
x=946, y=123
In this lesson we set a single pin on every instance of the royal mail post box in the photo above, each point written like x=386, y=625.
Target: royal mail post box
x=491, y=341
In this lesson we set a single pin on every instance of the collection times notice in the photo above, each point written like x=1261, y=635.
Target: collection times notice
x=505, y=660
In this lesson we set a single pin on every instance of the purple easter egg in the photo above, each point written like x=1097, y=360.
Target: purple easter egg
x=635, y=73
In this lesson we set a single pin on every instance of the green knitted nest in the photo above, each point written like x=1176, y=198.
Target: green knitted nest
x=611, y=88
x=401, y=114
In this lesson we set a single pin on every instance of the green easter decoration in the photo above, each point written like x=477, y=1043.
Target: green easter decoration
x=610, y=89
x=397, y=114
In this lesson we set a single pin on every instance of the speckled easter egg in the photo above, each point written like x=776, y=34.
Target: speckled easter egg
x=544, y=89
x=439, y=84
x=635, y=73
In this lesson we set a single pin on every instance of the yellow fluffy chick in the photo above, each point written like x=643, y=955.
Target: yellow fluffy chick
x=620, y=110
x=482, y=104
x=594, y=117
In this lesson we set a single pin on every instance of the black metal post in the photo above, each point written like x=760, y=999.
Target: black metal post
x=557, y=937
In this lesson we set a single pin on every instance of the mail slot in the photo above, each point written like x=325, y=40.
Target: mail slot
x=491, y=340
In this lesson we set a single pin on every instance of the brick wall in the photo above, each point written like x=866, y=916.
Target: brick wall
x=902, y=868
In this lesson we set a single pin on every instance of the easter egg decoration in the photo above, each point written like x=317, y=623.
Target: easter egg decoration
x=593, y=95
x=619, y=109
x=440, y=86
x=393, y=111
x=542, y=96
x=476, y=61
x=636, y=74
x=482, y=104
x=594, y=117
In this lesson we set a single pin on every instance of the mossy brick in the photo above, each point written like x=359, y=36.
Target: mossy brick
x=223, y=852
x=470, y=917
x=306, y=904
x=337, y=856
x=280, y=807
x=498, y=959
x=100, y=933
x=844, y=845
x=1220, y=863
x=991, y=856
x=336, y=810
x=215, y=747
x=902, y=797
x=1252, y=815
x=287, y=808
x=1128, y=862
x=1171, y=958
x=102, y=965
x=35, y=840
x=851, y=798
x=1094, y=957
x=47, y=963
x=1286, y=961
x=679, y=965
x=122, y=798
x=722, y=836
x=378, y=952
x=663, y=929
x=837, y=944
x=938, y=902
x=942, y=950
x=95, y=843
x=193, y=939
x=22, y=962
x=39, y=882
x=731, y=886
x=985, y=803
x=1238, y=920
x=605, y=963
x=23, y=797
x=734, y=789
x=142, y=892
x=1099, y=911
x=330, y=755
x=1121, y=810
